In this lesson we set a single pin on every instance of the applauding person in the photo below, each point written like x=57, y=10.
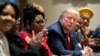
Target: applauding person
x=34, y=33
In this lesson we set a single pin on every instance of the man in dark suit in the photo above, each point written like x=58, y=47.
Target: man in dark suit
x=57, y=40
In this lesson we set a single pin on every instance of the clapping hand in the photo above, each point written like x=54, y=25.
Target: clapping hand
x=87, y=51
x=38, y=38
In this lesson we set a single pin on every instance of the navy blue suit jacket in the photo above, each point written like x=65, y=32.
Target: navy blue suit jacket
x=57, y=41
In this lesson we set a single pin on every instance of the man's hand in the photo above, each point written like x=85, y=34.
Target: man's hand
x=87, y=51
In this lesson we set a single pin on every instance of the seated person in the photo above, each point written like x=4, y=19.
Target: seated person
x=34, y=33
x=83, y=25
x=96, y=36
x=36, y=47
x=62, y=39
x=86, y=15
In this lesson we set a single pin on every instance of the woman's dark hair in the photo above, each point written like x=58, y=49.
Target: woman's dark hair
x=29, y=13
x=4, y=4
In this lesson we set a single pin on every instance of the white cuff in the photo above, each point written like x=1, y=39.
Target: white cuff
x=79, y=45
x=82, y=52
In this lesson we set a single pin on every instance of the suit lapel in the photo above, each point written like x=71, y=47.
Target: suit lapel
x=58, y=28
x=73, y=39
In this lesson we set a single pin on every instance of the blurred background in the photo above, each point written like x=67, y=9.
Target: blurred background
x=53, y=8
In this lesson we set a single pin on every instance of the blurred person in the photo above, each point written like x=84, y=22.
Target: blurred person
x=62, y=39
x=96, y=41
x=8, y=15
x=34, y=33
x=17, y=27
x=86, y=15
x=83, y=26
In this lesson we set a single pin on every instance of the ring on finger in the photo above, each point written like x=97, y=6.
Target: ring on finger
x=39, y=40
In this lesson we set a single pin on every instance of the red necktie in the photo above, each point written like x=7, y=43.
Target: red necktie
x=68, y=41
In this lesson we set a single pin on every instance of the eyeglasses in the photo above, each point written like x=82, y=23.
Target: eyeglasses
x=85, y=19
x=41, y=21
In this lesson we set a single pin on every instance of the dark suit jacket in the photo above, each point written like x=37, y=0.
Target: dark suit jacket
x=57, y=41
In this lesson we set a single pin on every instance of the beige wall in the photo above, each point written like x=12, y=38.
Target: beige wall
x=53, y=8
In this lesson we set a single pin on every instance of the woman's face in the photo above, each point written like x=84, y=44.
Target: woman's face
x=7, y=18
x=38, y=23
x=85, y=20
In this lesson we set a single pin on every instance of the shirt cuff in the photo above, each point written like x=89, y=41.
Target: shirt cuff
x=82, y=52
x=79, y=45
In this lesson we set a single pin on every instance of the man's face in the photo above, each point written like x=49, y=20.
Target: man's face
x=85, y=20
x=68, y=21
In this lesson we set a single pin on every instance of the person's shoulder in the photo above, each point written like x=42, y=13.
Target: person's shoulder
x=11, y=35
x=96, y=32
x=54, y=25
x=15, y=39
x=23, y=34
